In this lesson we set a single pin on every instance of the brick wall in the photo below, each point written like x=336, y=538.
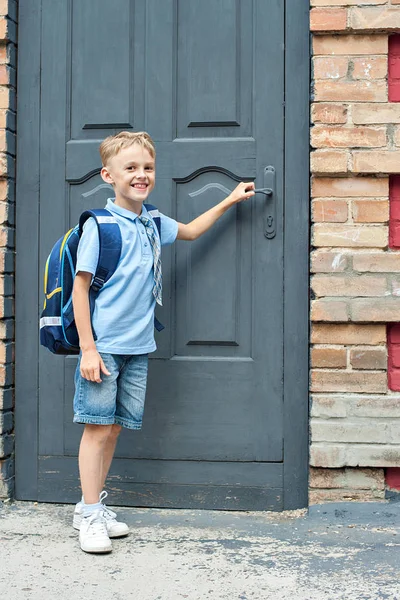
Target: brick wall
x=355, y=275
x=8, y=19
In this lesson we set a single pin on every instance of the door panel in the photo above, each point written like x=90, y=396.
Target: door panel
x=206, y=80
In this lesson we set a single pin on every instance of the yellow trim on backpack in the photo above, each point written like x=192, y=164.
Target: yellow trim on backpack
x=64, y=241
x=46, y=274
x=48, y=296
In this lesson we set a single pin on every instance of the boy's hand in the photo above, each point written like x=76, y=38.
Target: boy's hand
x=242, y=192
x=196, y=228
x=91, y=366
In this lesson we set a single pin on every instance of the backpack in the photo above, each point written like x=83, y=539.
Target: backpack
x=58, y=331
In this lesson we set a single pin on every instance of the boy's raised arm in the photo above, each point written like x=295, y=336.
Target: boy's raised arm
x=196, y=228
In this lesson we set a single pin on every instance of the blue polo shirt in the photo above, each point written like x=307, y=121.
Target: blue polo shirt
x=123, y=317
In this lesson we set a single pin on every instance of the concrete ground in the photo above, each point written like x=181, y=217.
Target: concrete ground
x=348, y=551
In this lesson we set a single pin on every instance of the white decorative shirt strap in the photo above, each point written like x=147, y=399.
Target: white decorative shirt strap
x=106, y=219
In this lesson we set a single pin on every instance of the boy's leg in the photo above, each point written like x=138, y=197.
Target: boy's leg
x=109, y=451
x=94, y=456
x=94, y=405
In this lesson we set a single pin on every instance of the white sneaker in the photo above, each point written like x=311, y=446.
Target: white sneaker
x=115, y=528
x=93, y=535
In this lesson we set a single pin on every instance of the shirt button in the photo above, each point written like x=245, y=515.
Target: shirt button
x=142, y=232
x=145, y=245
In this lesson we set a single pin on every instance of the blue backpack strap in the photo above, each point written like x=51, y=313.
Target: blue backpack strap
x=153, y=212
x=110, y=244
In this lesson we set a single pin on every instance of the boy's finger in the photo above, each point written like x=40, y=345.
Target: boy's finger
x=96, y=375
x=104, y=368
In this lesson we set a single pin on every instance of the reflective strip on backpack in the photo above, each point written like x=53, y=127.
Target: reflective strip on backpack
x=106, y=219
x=154, y=213
x=45, y=321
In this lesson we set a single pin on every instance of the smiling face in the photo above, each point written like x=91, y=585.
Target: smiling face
x=131, y=172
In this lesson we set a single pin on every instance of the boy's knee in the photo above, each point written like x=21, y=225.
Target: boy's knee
x=98, y=433
x=116, y=430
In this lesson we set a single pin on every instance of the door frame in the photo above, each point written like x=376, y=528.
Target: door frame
x=296, y=253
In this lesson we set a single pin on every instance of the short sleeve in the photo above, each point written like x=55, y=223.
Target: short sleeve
x=88, y=249
x=169, y=230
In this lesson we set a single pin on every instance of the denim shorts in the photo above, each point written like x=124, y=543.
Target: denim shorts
x=119, y=398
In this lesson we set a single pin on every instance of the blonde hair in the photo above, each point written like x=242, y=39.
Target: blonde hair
x=115, y=143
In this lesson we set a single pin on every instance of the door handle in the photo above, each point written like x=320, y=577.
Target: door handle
x=270, y=208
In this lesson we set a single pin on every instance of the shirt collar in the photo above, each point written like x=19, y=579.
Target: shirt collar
x=124, y=212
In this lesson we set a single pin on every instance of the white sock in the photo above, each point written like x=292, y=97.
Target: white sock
x=89, y=509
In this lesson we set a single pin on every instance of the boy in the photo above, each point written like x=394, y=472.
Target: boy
x=111, y=375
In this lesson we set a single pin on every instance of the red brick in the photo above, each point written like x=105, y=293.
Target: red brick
x=349, y=2
x=349, y=285
x=394, y=187
x=328, y=357
x=366, y=18
x=329, y=211
x=376, y=161
x=394, y=234
x=351, y=91
x=380, y=310
x=392, y=474
x=372, y=359
x=329, y=113
x=394, y=333
x=350, y=236
x=348, y=381
x=329, y=161
x=395, y=209
x=394, y=379
x=329, y=310
x=347, y=137
x=371, y=67
x=350, y=44
x=344, y=187
x=328, y=19
x=330, y=67
x=349, y=334
x=4, y=7
x=4, y=75
x=324, y=261
x=371, y=211
x=4, y=97
x=377, y=262
x=368, y=114
x=394, y=68
x=394, y=354
x=394, y=90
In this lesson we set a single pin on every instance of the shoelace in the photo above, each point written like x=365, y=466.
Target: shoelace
x=96, y=524
x=108, y=514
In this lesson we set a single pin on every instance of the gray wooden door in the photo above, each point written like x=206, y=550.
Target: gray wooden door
x=206, y=79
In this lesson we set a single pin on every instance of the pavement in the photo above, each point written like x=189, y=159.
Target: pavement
x=348, y=551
